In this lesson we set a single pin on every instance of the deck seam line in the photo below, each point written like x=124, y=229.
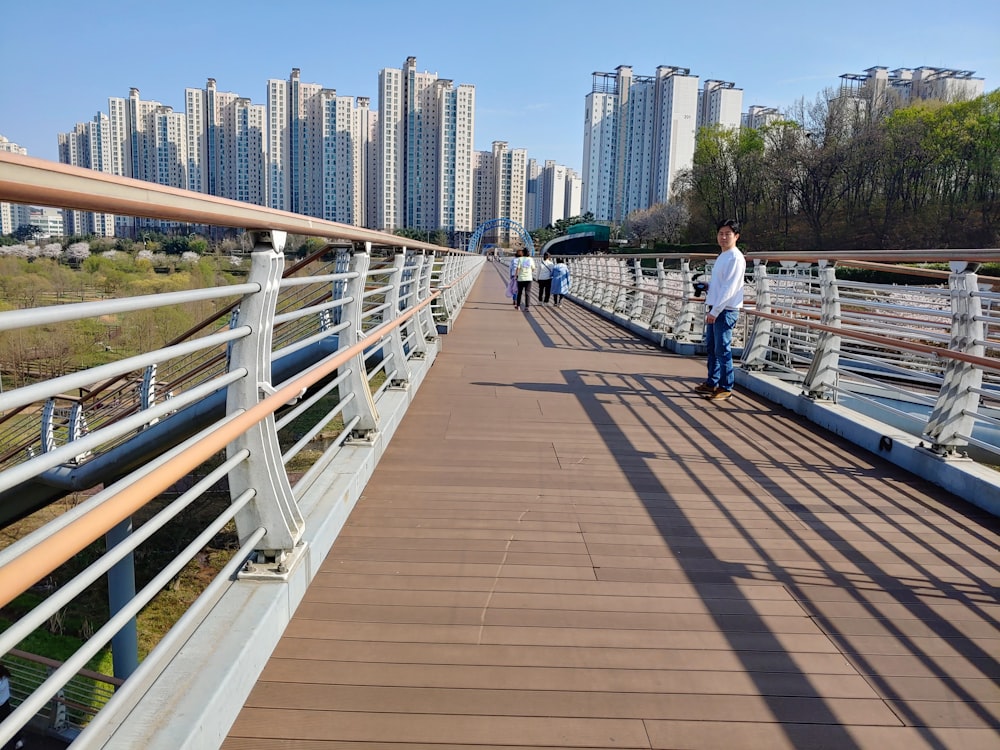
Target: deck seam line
x=496, y=579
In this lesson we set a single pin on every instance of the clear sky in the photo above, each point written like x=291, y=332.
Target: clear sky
x=531, y=61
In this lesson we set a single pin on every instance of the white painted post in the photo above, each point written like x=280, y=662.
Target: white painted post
x=394, y=346
x=953, y=416
x=821, y=380
x=355, y=384
x=692, y=308
x=273, y=507
x=755, y=351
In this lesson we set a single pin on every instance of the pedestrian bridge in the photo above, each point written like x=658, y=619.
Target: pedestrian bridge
x=523, y=529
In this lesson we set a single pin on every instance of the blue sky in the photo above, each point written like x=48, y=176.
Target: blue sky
x=531, y=61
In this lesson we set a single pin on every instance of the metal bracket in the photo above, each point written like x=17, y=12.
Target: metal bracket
x=266, y=389
x=276, y=567
x=944, y=453
x=362, y=436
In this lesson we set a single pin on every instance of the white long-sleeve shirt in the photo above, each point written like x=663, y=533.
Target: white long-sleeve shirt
x=725, y=291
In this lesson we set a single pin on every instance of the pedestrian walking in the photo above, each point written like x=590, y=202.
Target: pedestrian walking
x=560, y=281
x=544, y=279
x=524, y=270
x=512, y=284
x=723, y=302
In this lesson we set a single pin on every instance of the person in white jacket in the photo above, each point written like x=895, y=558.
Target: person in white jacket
x=723, y=303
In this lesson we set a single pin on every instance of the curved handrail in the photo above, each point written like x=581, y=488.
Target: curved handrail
x=25, y=179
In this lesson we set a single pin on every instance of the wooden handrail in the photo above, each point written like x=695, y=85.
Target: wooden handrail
x=25, y=179
x=45, y=661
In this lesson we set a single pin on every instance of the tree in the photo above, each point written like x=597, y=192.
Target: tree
x=26, y=232
x=77, y=253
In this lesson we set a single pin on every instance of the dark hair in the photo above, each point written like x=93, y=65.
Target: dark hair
x=731, y=223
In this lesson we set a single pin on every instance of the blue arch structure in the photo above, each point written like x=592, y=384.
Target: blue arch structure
x=506, y=223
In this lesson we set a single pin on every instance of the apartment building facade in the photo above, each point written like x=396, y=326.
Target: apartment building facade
x=12, y=215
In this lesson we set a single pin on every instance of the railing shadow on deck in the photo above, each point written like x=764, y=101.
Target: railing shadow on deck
x=790, y=456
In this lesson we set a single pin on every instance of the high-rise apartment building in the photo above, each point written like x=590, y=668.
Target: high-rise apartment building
x=533, y=196
x=12, y=215
x=483, y=203
x=639, y=133
x=295, y=145
x=89, y=145
x=880, y=85
x=371, y=167
x=574, y=194
x=225, y=142
x=758, y=116
x=720, y=103
x=319, y=151
x=510, y=168
x=345, y=130
x=553, y=193
x=426, y=132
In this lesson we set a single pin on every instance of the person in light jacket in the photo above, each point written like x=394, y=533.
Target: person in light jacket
x=723, y=303
x=525, y=271
x=560, y=281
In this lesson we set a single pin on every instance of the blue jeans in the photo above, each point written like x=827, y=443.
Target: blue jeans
x=719, y=343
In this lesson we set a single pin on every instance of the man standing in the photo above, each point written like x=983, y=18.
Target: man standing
x=723, y=303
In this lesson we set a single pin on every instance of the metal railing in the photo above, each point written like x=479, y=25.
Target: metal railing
x=922, y=356
x=76, y=703
x=291, y=359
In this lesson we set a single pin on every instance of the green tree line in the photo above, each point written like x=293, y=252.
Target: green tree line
x=837, y=175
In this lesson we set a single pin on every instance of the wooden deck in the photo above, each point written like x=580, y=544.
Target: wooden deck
x=565, y=547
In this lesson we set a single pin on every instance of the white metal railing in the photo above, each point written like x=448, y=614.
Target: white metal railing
x=344, y=330
x=922, y=356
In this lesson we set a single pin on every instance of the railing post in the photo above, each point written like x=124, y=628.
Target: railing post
x=618, y=289
x=658, y=321
x=685, y=328
x=394, y=346
x=821, y=380
x=48, y=437
x=589, y=290
x=635, y=310
x=588, y=287
x=355, y=390
x=614, y=284
x=957, y=404
x=426, y=273
x=448, y=274
x=147, y=389
x=273, y=507
x=755, y=350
